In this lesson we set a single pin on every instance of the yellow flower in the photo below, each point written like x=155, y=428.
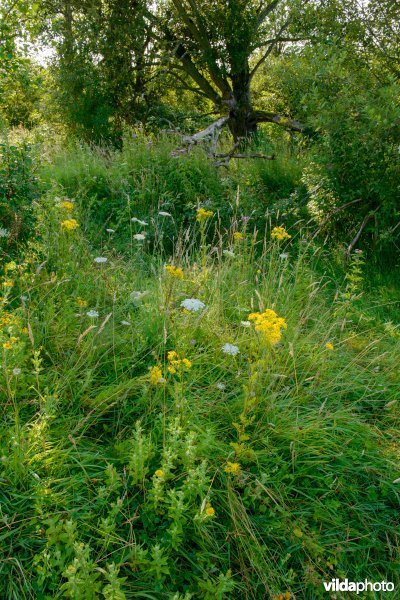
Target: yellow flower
x=11, y=266
x=203, y=215
x=7, y=345
x=81, y=302
x=8, y=283
x=237, y=236
x=210, y=512
x=329, y=346
x=172, y=355
x=159, y=473
x=172, y=370
x=174, y=271
x=67, y=205
x=297, y=532
x=233, y=468
x=69, y=224
x=280, y=234
x=187, y=363
x=177, y=363
x=269, y=325
x=156, y=375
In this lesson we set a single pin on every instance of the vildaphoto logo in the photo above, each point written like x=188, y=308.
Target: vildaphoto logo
x=336, y=585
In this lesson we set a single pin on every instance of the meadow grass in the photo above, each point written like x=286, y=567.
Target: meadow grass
x=249, y=464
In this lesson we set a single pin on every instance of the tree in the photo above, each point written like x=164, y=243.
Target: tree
x=214, y=45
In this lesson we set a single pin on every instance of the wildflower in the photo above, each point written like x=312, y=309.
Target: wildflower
x=192, y=304
x=159, y=473
x=8, y=284
x=220, y=386
x=135, y=220
x=67, y=205
x=100, y=260
x=233, y=468
x=156, y=375
x=210, y=511
x=297, y=532
x=187, y=363
x=11, y=266
x=110, y=230
x=237, y=236
x=283, y=256
x=230, y=349
x=329, y=346
x=269, y=325
x=228, y=253
x=139, y=237
x=174, y=271
x=92, y=314
x=280, y=234
x=7, y=345
x=69, y=224
x=162, y=213
x=81, y=302
x=16, y=371
x=202, y=215
x=245, y=323
x=176, y=363
x=125, y=323
x=4, y=232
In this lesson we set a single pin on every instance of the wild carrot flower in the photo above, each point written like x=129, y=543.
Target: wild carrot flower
x=100, y=260
x=69, y=224
x=269, y=325
x=230, y=349
x=233, y=468
x=16, y=371
x=93, y=314
x=203, y=214
x=192, y=304
x=174, y=271
x=156, y=376
x=139, y=237
x=280, y=234
x=136, y=220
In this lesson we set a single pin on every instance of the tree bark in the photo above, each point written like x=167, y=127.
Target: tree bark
x=242, y=118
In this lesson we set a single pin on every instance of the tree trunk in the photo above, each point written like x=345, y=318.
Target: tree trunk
x=242, y=119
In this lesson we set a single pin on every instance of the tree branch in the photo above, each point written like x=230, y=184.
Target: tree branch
x=263, y=116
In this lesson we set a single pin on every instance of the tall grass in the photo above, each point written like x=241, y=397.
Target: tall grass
x=249, y=474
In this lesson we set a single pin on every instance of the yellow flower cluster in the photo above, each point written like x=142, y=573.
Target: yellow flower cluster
x=237, y=236
x=81, y=302
x=159, y=473
x=329, y=346
x=156, y=376
x=203, y=214
x=233, y=468
x=174, y=271
x=210, y=511
x=284, y=596
x=7, y=283
x=269, y=325
x=9, y=343
x=280, y=234
x=11, y=266
x=176, y=363
x=67, y=205
x=70, y=224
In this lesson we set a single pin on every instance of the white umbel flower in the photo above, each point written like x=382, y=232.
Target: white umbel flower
x=139, y=237
x=193, y=304
x=230, y=349
x=100, y=260
x=136, y=220
x=93, y=314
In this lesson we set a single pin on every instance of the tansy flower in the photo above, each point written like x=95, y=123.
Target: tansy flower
x=81, y=302
x=233, y=468
x=67, y=205
x=69, y=224
x=237, y=236
x=269, y=325
x=202, y=214
x=176, y=363
x=174, y=271
x=8, y=284
x=329, y=346
x=156, y=376
x=159, y=473
x=210, y=512
x=280, y=234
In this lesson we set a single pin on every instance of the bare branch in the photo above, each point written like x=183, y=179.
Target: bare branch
x=263, y=116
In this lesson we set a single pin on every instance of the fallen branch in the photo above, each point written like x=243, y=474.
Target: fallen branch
x=212, y=131
x=354, y=241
